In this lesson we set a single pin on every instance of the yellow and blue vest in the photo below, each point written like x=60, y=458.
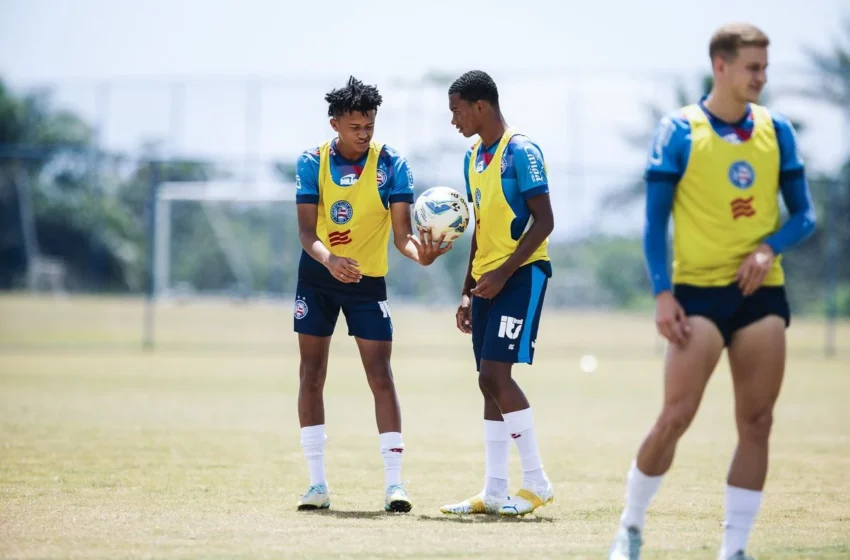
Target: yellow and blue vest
x=726, y=203
x=493, y=213
x=353, y=221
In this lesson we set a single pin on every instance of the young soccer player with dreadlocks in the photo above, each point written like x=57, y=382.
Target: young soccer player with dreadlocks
x=351, y=191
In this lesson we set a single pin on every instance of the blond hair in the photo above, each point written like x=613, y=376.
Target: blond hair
x=729, y=39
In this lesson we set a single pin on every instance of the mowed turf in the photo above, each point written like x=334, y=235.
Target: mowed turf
x=192, y=450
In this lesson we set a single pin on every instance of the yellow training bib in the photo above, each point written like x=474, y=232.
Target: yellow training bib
x=726, y=203
x=353, y=221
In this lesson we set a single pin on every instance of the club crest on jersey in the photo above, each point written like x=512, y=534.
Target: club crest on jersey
x=742, y=175
x=504, y=164
x=477, y=198
x=382, y=177
x=341, y=212
x=300, y=309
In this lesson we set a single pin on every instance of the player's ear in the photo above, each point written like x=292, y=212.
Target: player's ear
x=334, y=125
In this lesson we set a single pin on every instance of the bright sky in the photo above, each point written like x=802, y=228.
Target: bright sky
x=576, y=76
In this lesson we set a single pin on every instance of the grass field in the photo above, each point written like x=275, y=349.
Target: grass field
x=192, y=451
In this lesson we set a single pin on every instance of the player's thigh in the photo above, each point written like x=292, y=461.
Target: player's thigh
x=757, y=363
x=688, y=368
x=479, y=315
x=370, y=323
x=315, y=312
x=514, y=317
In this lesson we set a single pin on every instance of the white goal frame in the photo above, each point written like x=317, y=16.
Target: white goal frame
x=206, y=192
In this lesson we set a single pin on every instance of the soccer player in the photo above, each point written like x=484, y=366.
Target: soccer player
x=719, y=167
x=503, y=291
x=351, y=191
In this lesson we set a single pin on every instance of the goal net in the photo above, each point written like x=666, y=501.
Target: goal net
x=239, y=240
x=223, y=238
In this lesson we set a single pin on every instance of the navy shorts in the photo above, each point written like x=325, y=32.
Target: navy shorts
x=316, y=313
x=504, y=329
x=729, y=309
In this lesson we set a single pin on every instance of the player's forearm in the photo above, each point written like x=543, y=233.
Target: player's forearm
x=407, y=248
x=659, y=204
x=314, y=246
x=801, y=223
x=469, y=281
x=531, y=241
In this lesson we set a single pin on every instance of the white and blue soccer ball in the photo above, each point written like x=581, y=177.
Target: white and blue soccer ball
x=441, y=210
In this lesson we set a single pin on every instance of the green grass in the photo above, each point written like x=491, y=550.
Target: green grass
x=192, y=451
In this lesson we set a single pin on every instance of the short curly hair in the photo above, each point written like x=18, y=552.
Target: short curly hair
x=476, y=85
x=354, y=97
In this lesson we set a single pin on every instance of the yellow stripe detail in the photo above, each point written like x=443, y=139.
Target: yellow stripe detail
x=530, y=497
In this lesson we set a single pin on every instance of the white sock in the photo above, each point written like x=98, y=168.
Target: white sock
x=742, y=506
x=313, y=442
x=497, y=446
x=392, y=447
x=520, y=426
x=640, y=489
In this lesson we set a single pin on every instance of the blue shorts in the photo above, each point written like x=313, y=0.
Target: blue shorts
x=504, y=329
x=317, y=311
x=728, y=309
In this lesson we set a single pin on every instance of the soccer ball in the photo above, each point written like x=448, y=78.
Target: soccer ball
x=439, y=210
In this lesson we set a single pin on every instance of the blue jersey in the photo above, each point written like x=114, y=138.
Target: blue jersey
x=666, y=165
x=395, y=184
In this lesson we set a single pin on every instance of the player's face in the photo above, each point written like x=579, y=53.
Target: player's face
x=466, y=115
x=746, y=75
x=355, y=130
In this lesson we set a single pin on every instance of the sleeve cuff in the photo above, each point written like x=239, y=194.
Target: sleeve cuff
x=536, y=191
x=406, y=197
x=306, y=199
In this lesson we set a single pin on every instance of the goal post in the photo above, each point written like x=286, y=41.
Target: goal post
x=238, y=240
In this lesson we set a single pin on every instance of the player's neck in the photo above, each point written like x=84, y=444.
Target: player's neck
x=726, y=108
x=346, y=151
x=493, y=131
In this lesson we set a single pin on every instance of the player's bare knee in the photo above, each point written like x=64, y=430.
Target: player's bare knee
x=380, y=378
x=490, y=382
x=674, y=421
x=312, y=375
x=755, y=426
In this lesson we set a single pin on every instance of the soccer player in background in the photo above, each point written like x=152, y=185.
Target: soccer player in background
x=719, y=167
x=503, y=291
x=351, y=191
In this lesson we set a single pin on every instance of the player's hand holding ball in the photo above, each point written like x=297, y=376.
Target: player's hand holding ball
x=670, y=319
x=464, y=321
x=344, y=269
x=754, y=269
x=429, y=248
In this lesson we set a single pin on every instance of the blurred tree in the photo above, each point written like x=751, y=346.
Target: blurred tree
x=830, y=191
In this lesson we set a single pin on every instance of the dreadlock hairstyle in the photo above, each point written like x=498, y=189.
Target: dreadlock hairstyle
x=355, y=96
x=474, y=86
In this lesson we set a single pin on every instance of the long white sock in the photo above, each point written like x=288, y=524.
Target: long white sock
x=742, y=506
x=640, y=489
x=520, y=426
x=392, y=447
x=313, y=442
x=497, y=446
